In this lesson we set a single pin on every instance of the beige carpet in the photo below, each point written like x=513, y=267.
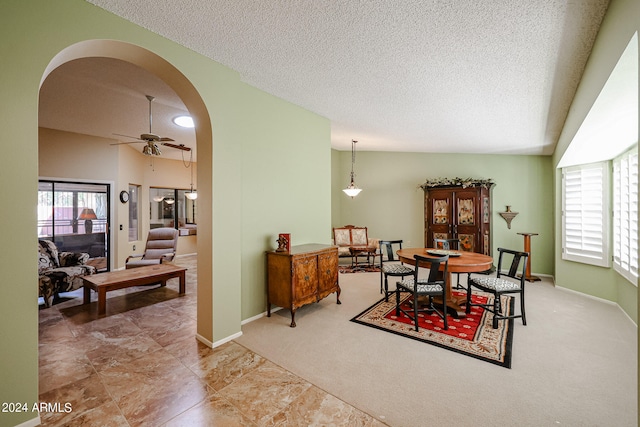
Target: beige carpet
x=574, y=364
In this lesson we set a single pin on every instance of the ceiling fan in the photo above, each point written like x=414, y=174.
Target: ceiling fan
x=152, y=140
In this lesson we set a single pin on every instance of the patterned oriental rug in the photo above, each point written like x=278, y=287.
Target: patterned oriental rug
x=360, y=269
x=473, y=335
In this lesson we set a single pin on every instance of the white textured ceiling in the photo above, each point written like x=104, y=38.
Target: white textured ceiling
x=426, y=76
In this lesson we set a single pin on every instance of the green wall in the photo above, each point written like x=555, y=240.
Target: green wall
x=620, y=23
x=391, y=204
x=250, y=144
x=284, y=188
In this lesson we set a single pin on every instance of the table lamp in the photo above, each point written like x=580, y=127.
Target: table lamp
x=88, y=215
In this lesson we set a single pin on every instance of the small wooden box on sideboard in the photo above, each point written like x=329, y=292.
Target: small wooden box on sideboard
x=305, y=274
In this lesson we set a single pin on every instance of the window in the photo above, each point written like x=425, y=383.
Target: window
x=169, y=207
x=625, y=215
x=134, y=212
x=584, y=214
x=75, y=216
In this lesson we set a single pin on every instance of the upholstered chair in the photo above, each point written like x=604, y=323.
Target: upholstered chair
x=390, y=265
x=499, y=285
x=431, y=286
x=60, y=271
x=161, y=246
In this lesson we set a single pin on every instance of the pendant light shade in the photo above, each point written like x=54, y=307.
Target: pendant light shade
x=352, y=190
x=192, y=195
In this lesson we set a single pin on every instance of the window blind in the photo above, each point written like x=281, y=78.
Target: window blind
x=625, y=215
x=584, y=219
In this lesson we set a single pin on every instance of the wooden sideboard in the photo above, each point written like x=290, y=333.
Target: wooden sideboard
x=305, y=274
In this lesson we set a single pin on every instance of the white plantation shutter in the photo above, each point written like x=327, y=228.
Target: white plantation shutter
x=585, y=220
x=625, y=215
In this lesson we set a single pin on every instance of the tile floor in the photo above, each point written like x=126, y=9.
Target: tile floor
x=140, y=365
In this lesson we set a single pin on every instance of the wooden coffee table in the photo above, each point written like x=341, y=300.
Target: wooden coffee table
x=148, y=275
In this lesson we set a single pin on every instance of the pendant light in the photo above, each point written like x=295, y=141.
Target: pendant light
x=192, y=194
x=352, y=190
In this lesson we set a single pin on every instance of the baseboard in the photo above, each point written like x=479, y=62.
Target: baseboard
x=227, y=339
x=218, y=343
x=259, y=316
x=549, y=276
x=185, y=255
x=33, y=422
x=606, y=301
x=204, y=341
x=628, y=317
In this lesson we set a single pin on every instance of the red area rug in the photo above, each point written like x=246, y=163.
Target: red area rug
x=472, y=335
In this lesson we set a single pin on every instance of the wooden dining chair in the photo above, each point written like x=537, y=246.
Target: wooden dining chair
x=450, y=245
x=430, y=287
x=390, y=265
x=499, y=286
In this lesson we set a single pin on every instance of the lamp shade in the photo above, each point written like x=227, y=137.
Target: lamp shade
x=352, y=190
x=87, y=213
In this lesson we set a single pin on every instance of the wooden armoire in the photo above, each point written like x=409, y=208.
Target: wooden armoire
x=457, y=212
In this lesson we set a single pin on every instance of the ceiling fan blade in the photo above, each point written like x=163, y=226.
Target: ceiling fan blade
x=126, y=136
x=167, y=139
x=127, y=143
x=179, y=147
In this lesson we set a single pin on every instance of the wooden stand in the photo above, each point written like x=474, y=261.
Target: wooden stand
x=527, y=248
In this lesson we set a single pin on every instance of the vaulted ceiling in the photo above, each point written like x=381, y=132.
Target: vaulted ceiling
x=423, y=76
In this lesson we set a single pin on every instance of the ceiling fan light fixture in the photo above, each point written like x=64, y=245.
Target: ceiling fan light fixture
x=184, y=121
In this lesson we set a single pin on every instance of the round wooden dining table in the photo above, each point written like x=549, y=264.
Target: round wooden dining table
x=466, y=262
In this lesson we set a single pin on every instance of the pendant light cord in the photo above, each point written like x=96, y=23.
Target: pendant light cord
x=353, y=156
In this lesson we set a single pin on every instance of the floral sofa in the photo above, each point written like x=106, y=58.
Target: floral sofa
x=59, y=271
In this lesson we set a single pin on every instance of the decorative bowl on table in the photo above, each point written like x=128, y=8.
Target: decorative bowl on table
x=442, y=252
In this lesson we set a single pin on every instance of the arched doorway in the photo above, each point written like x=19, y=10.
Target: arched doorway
x=165, y=71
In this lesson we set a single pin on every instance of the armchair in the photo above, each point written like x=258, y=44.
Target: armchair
x=162, y=244
x=59, y=271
